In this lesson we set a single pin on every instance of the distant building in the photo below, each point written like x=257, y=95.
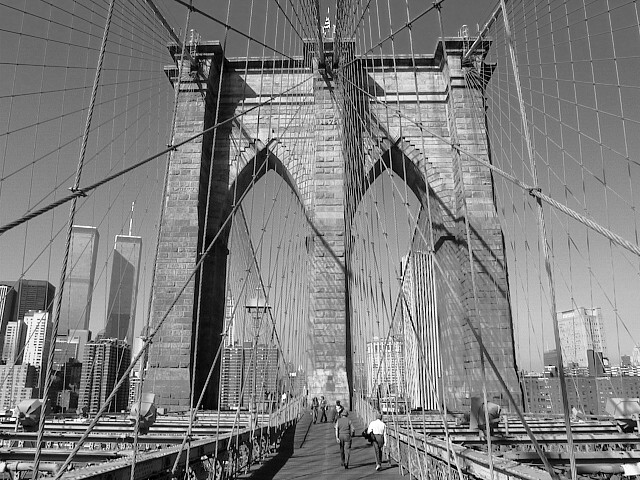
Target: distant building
x=7, y=307
x=66, y=378
x=38, y=341
x=13, y=340
x=635, y=355
x=587, y=394
x=239, y=370
x=625, y=369
x=67, y=400
x=385, y=367
x=550, y=360
x=34, y=295
x=78, y=291
x=123, y=289
x=70, y=375
x=581, y=330
x=135, y=377
x=360, y=378
x=19, y=383
x=229, y=324
x=103, y=365
x=421, y=331
x=70, y=347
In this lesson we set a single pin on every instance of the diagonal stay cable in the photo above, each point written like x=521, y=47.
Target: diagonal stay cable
x=288, y=20
x=82, y=192
x=65, y=261
x=150, y=337
x=393, y=33
x=498, y=375
x=533, y=190
x=183, y=52
x=496, y=371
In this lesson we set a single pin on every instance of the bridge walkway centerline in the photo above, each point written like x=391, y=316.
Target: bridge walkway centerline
x=310, y=451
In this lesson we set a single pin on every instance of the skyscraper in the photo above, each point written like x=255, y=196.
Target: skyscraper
x=70, y=347
x=13, y=339
x=123, y=290
x=135, y=377
x=229, y=322
x=7, y=304
x=37, y=341
x=38, y=338
x=78, y=290
x=104, y=363
x=19, y=383
x=581, y=330
x=34, y=295
x=421, y=330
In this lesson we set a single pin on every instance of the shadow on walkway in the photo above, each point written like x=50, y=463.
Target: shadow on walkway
x=309, y=451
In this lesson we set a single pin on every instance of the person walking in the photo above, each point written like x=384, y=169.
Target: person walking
x=344, y=432
x=378, y=430
x=339, y=410
x=323, y=409
x=314, y=409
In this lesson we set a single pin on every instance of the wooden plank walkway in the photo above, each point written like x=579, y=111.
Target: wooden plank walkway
x=310, y=451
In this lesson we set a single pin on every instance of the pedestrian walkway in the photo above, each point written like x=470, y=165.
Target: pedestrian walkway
x=310, y=451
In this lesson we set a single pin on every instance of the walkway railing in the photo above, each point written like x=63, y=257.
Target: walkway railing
x=420, y=454
x=223, y=456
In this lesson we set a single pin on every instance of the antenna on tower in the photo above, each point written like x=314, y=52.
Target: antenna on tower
x=133, y=205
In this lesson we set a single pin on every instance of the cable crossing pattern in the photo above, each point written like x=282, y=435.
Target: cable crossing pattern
x=423, y=210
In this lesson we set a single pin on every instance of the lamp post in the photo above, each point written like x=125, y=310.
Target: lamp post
x=257, y=306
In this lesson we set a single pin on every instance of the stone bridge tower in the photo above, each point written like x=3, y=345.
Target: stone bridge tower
x=200, y=192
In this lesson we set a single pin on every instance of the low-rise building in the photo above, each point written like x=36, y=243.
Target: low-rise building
x=587, y=394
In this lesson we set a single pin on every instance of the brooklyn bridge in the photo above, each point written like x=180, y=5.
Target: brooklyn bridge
x=215, y=214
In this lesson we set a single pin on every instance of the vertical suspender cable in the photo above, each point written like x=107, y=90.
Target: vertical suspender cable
x=543, y=239
x=72, y=212
x=196, y=336
x=458, y=166
x=145, y=356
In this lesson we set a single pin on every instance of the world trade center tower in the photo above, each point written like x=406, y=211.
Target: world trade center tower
x=78, y=292
x=123, y=289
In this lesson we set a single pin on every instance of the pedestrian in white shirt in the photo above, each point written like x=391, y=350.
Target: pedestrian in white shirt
x=378, y=430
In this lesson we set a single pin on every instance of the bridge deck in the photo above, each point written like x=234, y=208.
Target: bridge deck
x=311, y=451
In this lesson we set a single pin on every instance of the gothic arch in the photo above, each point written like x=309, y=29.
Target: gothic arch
x=272, y=156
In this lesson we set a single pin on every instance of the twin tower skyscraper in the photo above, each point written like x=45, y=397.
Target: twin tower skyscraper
x=79, y=288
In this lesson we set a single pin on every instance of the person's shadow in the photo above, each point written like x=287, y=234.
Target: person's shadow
x=271, y=467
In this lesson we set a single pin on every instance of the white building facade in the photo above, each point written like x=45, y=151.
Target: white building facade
x=385, y=367
x=421, y=331
x=12, y=342
x=38, y=338
x=581, y=330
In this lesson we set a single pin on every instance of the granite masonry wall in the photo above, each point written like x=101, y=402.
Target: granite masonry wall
x=200, y=192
